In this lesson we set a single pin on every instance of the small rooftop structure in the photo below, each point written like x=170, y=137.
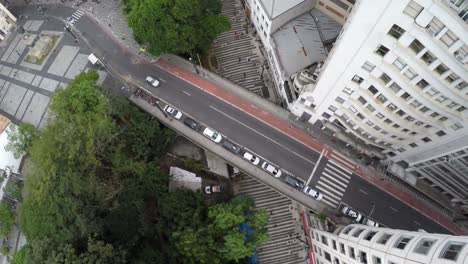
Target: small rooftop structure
x=300, y=42
x=274, y=8
x=183, y=179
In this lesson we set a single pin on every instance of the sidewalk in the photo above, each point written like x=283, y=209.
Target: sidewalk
x=279, y=119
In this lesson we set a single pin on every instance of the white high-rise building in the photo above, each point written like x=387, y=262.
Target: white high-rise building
x=7, y=22
x=373, y=245
x=396, y=82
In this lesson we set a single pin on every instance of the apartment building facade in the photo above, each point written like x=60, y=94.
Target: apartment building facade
x=7, y=22
x=372, y=245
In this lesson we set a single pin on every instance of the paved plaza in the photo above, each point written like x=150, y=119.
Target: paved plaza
x=26, y=88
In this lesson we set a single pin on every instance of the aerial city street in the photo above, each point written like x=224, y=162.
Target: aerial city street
x=234, y=131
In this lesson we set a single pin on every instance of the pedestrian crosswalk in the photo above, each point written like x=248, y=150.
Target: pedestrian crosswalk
x=333, y=183
x=77, y=15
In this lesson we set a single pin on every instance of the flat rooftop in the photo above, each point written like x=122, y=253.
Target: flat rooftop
x=274, y=8
x=300, y=42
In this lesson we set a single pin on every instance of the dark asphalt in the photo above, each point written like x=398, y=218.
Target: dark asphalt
x=242, y=128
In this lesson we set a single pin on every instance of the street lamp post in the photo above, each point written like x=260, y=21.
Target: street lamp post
x=372, y=210
x=194, y=65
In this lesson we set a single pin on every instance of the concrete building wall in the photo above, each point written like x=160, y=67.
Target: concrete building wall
x=7, y=22
x=364, y=244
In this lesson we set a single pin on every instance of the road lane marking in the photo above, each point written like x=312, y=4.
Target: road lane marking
x=363, y=191
x=315, y=167
x=186, y=93
x=416, y=222
x=396, y=211
x=290, y=150
x=162, y=80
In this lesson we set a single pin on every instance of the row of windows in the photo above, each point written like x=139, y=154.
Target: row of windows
x=451, y=250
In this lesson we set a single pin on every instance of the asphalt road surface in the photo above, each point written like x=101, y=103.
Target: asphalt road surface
x=267, y=142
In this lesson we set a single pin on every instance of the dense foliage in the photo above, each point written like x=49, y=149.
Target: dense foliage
x=176, y=26
x=7, y=220
x=97, y=194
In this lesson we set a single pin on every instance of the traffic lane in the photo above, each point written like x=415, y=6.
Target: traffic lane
x=388, y=210
x=265, y=146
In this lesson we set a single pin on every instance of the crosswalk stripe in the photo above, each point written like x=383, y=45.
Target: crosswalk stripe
x=338, y=170
x=75, y=17
x=327, y=191
x=343, y=159
x=331, y=199
x=332, y=204
x=332, y=174
x=340, y=166
x=334, y=182
x=79, y=12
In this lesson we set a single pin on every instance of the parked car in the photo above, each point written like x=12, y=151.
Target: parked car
x=173, y=112
x=271, y=169
x=152, y=81
x=212, y=189
x=313, y=193
x=234, y=148
x=293, y=182
x=370, y=222
x=213, y=135
x=192, y=124
x=254, y=159
x=349, y=212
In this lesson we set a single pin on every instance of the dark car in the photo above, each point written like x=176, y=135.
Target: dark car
x=192, y=124
x=234, y=148
x=293, y=182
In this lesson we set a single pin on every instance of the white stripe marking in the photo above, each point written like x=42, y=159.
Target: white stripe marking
x=343, y=159
x=79, y=12
x=75, y=17
x=186, y=93
x=324, y=190
x=338, y=170
x=162, y=80
x=396, y=211
x=338, y=165
x=315, y=167
x=322, y=179
x=297, y=154
x=335, y=175
x=335, y=180
x=332, y=204
x=362, y=191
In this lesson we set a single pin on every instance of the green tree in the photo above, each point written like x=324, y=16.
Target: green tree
x=19, y=257
x=176, y=26
x=20, y=138
x=7, y=220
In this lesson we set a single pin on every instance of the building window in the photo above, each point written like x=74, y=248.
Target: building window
x=461, y=85
x=424, y=109
x=422, y=84
x=434, y=27
x=432, y=92
x=413, y=145
x=362, y=100
x=416, y=46
x=428, y=58
x=324, y=240
x=461, y=109
x=461, y=53
x=370, y=107
x=449, y=38
x=413, y=9
x=441, y=69
x=376, y=260
x=410, y=74
x=357, y=79
x=406, y=96
x=441, y=99
x=395, y=87
x=363, y=257
x=370, y=235
x=348, y=90
x=399, y=63
x=372, y=89
x=443, y=118
x=351, y=253
x=456, y=126
x=327, y=256
x=379, y=115
x=452, y=77
x=358, y=232
x=342, y=249
x=385, y=237
x=402, y=242
x=441, y=133
x=452, y=250
x=368, y=66
x=347, y=229
x=339, y=100
x=396, y=31
x=385, y=78
x=382, y=50
x=332, y=108
x=334, y=244
x=426, y=139
x=424, y=246
x=416, y=104
x=435, y=114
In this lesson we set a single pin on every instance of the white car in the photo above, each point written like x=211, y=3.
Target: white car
x=173, y=112
x=313, y=193
x=214, y=136
x=271, y=169
x=370, y=222
x=152, y=81
x=255, y=160
x=349, y=212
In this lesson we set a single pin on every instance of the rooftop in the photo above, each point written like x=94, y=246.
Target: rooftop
x=300, y=42
x=183, y=179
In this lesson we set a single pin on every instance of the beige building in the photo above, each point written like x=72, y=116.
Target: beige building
x=7, y=22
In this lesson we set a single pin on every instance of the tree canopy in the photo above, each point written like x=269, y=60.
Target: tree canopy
x=176, y=26
x=7, y=220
